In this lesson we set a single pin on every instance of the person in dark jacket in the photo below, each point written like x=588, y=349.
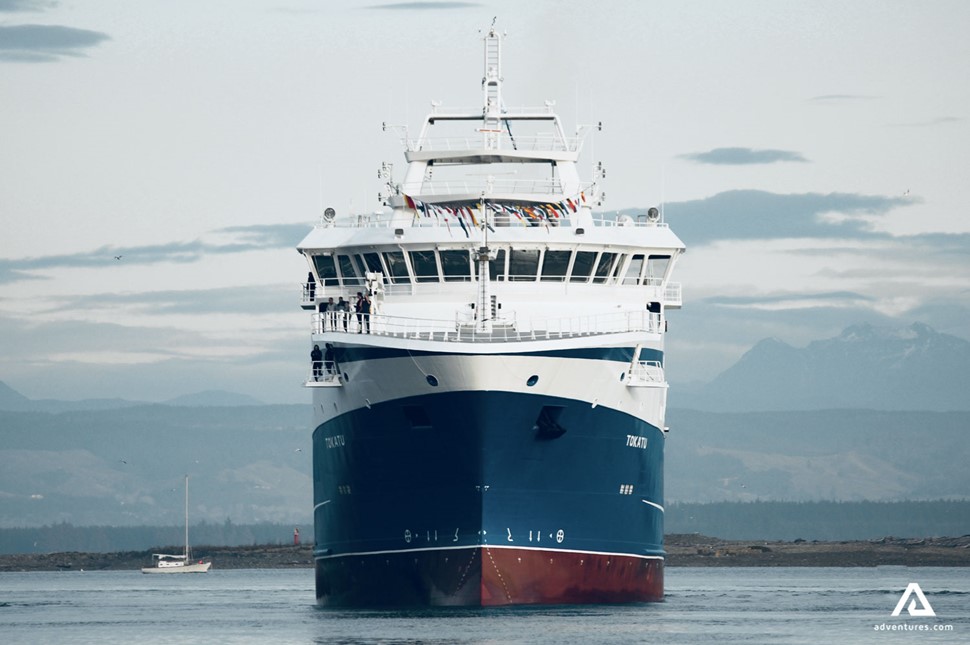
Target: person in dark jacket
x=311, y=286
x=316, y=357
x=359, y=308
x=365, y=309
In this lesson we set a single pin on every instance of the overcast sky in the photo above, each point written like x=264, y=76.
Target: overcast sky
x=812, y=155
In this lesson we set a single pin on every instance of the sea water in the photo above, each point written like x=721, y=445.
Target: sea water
x=703, y=605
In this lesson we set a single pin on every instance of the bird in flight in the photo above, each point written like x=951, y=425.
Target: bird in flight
x=118, y=257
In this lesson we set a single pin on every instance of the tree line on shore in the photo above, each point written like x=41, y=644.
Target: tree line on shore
x=760, y=520
x=64, y=537
x=820, y=520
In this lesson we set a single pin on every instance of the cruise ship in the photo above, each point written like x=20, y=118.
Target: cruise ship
x=487, y=372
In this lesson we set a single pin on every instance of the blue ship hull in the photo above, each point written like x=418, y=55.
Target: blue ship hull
x=487, y=497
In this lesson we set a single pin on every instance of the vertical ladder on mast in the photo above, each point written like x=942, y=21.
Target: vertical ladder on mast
x=492, y=89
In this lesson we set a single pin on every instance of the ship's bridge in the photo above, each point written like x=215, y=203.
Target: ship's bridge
x=435, y=270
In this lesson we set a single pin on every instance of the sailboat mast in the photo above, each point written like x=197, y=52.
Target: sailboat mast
x=186, y=552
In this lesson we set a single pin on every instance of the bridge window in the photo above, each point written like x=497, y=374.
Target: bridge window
x=554, y=265
x=348, y=270
x=523, y=265
x=397, y=267
x=496, y=267
x=603, y=266
x=617, y=266
x=455, y=265
x=583, y=266
x=656, y=269
x=633, y=270
x=425, y=266
x=372, y=262
x=326, y=270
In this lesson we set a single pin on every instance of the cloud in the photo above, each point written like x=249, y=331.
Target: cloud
x=743, y=156
x=87, y=359
x=26, y=5
x=271, y=235
x=775, y=302
x=426, y=5
x=942, y=120
x=45, y=43
x=841, y=98
x=755, y=214
x=249, y=300
x=241, y=239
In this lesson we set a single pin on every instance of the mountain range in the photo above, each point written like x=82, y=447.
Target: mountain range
x=123, y=467
x=893, y=427
x=909, y=368
x=12, y=400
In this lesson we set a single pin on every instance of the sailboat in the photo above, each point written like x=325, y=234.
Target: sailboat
x=168, y=563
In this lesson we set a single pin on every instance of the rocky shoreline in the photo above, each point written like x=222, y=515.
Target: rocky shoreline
x=682, y=551
x=703, y=551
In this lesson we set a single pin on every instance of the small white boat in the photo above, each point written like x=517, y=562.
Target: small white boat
x=168, y=563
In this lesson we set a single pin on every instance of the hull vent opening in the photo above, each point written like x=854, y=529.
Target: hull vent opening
x=547, y=423
x=417, y=417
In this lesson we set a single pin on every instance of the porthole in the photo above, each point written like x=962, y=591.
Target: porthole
x=346, y=378
x=432, y=381
x=532, y=380
x=622, y=376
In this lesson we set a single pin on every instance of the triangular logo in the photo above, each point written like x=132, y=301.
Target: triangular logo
x=925, y=610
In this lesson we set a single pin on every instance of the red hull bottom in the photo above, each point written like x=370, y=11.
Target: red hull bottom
x=487, y=576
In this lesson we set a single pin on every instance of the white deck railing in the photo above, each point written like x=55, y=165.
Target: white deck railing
x=392, y=220
x=646, y=373
x=499, y=186
x=673, y=294
x=500, y=331
x=530, y=143
x=312, y=297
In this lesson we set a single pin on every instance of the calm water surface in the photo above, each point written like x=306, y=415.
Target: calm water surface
x=743, y=605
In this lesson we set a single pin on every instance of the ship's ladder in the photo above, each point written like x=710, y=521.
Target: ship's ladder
x=492, y=88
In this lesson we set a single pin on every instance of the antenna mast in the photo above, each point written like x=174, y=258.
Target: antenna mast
x=492, y=89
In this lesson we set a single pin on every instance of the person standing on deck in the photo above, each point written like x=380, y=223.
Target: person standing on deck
x=323, y=308
x=359, y=308
x=344, y=311
x=365, y=306
x=329, y=362
x=316, y=357
x=311, y=286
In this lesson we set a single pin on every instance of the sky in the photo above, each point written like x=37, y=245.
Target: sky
x=812, y=155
